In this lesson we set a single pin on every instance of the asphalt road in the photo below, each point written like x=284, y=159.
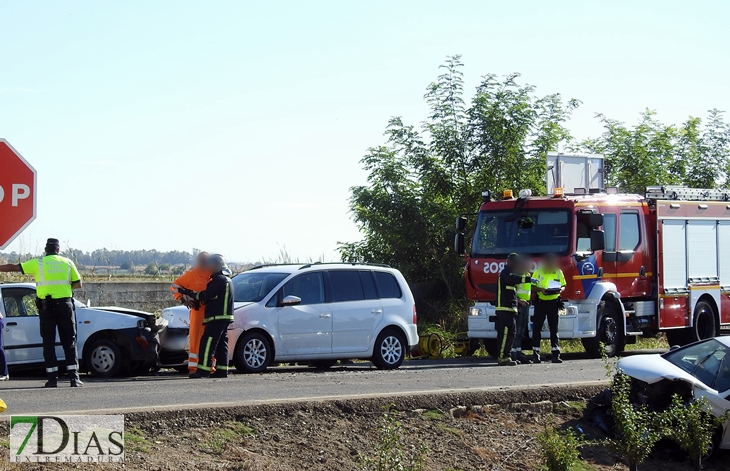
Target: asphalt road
x=26, y=395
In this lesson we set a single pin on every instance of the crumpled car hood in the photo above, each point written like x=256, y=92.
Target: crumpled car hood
x=653, y=368
x=152, y=321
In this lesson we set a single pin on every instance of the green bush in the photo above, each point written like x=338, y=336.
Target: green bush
x=692, y=427
x=391, y=454
x=559, y=451
x=637, y=428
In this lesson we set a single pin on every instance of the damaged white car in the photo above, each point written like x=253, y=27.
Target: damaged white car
x=701, y=369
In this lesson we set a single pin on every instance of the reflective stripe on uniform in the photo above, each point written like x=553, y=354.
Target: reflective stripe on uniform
x=225, y=300
x=206, y=354
x=506, y=309
x=222, y=368
x=72, y=367
x=192, y=364
x=504, y=341
x=52, y=283
x=52, y=370
x=193, y=355
x=218, y=318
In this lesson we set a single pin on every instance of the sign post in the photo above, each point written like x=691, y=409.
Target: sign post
x=17, y=193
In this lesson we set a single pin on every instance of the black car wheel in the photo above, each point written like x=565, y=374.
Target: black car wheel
x=253, y=353
x=705, y=322
x=390, y=350
x=609, y=335
x=104, y=359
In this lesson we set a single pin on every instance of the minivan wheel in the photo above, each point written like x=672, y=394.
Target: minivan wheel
x=390, y=350
x=253, y=353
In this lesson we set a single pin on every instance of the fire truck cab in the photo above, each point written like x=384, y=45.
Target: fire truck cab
x=634, y=264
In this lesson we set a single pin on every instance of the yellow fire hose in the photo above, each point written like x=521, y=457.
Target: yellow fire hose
x=430, y=346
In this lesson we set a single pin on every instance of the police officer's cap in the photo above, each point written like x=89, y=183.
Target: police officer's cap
x=513, y=257
x=53, y=243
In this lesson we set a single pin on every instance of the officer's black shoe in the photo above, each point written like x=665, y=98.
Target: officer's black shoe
x=556, y=358
x=76, y=383
x=523, y=359
x=220, y=374
x=199, y=374
x=536, y=357
x=51, y=383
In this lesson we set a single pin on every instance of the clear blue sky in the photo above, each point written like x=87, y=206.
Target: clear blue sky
x=238, y=126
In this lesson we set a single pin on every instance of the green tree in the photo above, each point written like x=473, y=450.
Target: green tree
x=652, y=153
x=125, y=266
x=151, y=269
x=423, y=178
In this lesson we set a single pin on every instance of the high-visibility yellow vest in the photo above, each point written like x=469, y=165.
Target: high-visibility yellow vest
x=53, y=275
x=524, y=291
x=542, y=279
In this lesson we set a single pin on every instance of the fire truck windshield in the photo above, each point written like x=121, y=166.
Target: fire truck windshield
x=534, y=232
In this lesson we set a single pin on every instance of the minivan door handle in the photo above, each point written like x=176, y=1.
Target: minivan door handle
x=11, y=323
x=325, y=316
x=377, y=311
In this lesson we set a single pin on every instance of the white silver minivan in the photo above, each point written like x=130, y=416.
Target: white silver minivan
x=321, y=313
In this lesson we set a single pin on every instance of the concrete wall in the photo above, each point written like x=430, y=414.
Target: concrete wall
x=146, y=296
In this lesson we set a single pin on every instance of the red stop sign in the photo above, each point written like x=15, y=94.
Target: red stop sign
x=17, y=193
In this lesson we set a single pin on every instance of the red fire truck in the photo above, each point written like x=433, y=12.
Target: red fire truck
x=635, y=265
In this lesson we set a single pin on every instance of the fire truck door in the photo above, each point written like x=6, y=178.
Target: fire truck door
x=632, y=258
x=610, y=253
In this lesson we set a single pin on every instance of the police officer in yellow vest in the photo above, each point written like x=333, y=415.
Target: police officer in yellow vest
x=55, y=277
x=548, y=282
x=524, y=295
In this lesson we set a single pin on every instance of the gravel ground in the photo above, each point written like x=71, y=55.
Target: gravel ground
x=470, y=431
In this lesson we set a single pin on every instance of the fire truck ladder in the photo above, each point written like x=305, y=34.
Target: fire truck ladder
x=683, y=193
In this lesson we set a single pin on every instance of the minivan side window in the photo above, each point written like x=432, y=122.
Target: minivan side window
x=346, y=286
x=368, y=284
x=387, y=285
x=309, y=287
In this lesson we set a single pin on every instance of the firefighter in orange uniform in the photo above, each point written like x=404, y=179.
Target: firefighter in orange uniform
x=195, y=279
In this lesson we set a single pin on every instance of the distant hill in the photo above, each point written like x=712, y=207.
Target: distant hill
x=115, y=258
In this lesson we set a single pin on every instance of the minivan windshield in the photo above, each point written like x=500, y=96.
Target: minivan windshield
x=253, y=286
x=537, y=231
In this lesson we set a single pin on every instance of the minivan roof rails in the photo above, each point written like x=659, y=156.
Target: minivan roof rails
x=310, y=265
x=354, y=264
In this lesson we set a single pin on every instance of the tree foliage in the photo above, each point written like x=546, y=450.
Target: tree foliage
x=652, y=153
x=423, y=177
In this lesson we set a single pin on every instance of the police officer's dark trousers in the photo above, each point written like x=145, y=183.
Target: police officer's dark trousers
x=58, y=314
x=546, y=310
x=214, y=343
x=505, y=332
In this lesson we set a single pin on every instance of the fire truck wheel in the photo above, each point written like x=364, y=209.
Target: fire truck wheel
x=705, y=323
x=610, y=333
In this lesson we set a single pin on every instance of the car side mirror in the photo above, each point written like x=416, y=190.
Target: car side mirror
x=459, y=243
x=460, y=224
x=598, y=240
x=290, y=301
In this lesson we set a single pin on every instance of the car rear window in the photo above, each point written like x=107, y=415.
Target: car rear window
x=346, y=286
x=388, y=285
